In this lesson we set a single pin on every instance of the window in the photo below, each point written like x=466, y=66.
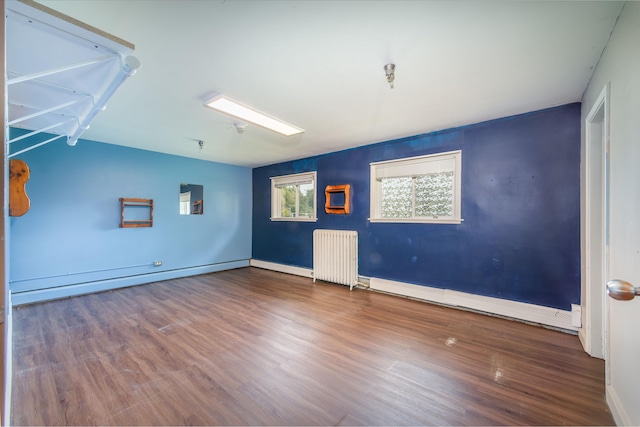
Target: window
x=417, y=189
x=293, y=197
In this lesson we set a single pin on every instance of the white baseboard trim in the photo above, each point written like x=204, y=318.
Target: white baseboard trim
x=617, y=410
x=516, y=310
x=296, y=271
x=282, y=268
x=546, y=316
x=40, y=295
x=582, y=335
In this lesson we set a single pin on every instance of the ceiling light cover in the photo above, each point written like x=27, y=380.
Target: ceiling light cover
x=233, y=108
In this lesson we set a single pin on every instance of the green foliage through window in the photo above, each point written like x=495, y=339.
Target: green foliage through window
x=293, y=197
x=304, y=201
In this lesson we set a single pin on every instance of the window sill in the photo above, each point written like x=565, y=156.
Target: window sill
x=416, y=221
x=295, y=219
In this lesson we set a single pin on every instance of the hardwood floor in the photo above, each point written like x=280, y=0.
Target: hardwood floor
x=254, y=347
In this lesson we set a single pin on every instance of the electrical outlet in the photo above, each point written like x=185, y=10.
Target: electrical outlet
x=157, y=263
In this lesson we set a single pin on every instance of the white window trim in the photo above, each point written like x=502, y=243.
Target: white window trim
x=299, y=178
x=410, y=164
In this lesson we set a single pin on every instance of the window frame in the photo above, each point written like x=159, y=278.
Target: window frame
x=413, y=165
x=293, y=179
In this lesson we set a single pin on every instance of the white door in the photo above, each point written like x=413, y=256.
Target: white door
x=618, y=71
x=623, y=362
x=623, y=338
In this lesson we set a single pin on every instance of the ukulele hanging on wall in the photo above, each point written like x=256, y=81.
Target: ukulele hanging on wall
x=19, y=202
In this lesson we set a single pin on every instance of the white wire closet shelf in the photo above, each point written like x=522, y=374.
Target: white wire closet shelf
x=60, y=73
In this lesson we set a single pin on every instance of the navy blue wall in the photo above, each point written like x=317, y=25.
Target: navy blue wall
x=520, y=239
x=71, y=236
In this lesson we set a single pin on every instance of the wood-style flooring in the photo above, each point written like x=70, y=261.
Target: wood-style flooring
x=255, y=347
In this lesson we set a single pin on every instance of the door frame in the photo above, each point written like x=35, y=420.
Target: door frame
x=5, y=297
x=595, y=242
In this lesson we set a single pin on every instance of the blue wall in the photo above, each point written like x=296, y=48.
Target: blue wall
x=520, y=239
x=71, y=234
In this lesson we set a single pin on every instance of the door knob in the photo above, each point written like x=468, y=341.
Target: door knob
x=621, y=290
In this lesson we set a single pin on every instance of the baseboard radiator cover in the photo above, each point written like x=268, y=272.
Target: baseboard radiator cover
x=546, y=316
x=282, y=268
x=48, y=294
x=550, y=317
x=335, y=256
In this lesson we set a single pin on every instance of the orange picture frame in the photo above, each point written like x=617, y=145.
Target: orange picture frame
x=333, y=209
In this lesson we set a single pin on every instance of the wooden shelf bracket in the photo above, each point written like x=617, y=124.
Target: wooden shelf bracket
x=126, y=204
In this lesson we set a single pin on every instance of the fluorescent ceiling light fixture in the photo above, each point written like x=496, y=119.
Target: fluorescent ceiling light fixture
x=233, y=108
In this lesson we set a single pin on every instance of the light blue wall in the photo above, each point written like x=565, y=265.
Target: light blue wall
x=70, y=241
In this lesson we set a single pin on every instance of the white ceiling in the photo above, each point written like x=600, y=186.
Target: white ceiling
x=319, y=65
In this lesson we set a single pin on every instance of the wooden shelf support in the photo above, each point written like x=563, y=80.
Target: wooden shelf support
x=135, y=203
